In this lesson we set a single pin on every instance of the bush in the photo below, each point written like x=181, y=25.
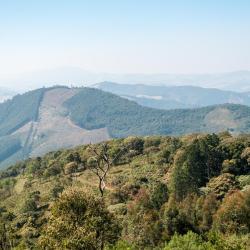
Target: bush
x=222, y=184
x=79, y=221
x=70, y=168
x=233, y=216
x=134, y=143
x=215, y=241
x=189, y=241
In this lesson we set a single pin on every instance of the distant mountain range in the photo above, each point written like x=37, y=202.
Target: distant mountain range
x=173, y=97
x=235, y=81
x=49, y=119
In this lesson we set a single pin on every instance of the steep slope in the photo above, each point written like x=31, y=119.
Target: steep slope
x=21, y=109
x=55, y=130
x=15, y=115
x=170, y=97
x=36, y=123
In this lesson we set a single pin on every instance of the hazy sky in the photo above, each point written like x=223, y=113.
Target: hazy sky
x=125, y=36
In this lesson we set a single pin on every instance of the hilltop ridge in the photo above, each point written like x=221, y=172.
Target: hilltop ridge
x=48, y=119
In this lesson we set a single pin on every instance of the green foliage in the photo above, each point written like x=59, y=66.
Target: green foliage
x=195, y=165
x=70, y=167
x=189, y=241
x=192, y=241
x=134, y=143
x=53, y=170
x=142, y=226
x=9, y=146
x=31, y=203
x=244, y=181
x=233, y=216
x=206, y=208
x=174, y=220
x=236, y=155
x=4, y=240
x=19, y=110
x=157, y=188
x=222, y=184
x=15, y=113
x=79, y=221
x=57, y=190
x=217, y=241
x=122, y=245
x=92, y=108
x=158, y=194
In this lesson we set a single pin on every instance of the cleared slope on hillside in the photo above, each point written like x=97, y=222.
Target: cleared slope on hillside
x=17, y=113
x=54, y=129
x=41, y=125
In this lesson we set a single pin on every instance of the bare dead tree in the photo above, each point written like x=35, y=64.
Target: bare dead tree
x=102, y=163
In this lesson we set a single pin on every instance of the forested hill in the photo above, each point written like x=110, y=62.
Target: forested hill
x=20, y=110
x=92, y=108
x=48, y=119
x=160, y=192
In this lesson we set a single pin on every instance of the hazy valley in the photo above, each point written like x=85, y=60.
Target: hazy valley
x=174, y=97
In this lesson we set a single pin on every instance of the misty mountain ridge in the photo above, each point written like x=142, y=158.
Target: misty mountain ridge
x=172, y=97
x=6, y=94
x=238, y=81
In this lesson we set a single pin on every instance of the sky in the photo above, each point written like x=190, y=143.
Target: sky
x=129, y=36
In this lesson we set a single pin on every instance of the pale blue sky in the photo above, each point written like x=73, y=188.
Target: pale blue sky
x=125, y=36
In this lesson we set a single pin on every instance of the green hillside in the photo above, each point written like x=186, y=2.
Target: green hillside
x=14, y=114
x=92, y=108
x=190, y=192
x=46, y=119
x=18, y=111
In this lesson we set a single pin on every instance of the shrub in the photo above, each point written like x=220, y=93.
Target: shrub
x=233, y=216
x=79, y=221
x=70, y=168
x=189, y=241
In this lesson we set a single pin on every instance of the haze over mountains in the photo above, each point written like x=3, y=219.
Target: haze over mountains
x=235, y=81
x=172, y=97
x=48, y=119
x=6, y=94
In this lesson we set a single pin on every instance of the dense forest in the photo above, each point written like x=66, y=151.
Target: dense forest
x=18, y=111
x=159, y=192
x=14, y=114
x=92, y=108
